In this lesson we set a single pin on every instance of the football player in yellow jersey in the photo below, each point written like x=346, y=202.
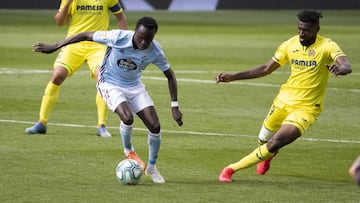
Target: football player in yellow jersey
x=300, y=100
x=82, y=16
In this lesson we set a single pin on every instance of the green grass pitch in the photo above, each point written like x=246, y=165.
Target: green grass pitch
x=71, y=164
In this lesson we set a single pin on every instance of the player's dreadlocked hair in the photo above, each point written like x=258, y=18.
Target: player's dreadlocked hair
x=147, y=22
x=309, y=16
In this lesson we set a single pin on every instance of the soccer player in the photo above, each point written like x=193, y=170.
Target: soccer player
x=300, y=100
x=127, y=55
x=83, y=16
x=354, y=171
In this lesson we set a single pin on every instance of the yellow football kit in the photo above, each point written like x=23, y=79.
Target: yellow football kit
x=300, y=100
x=86, y=16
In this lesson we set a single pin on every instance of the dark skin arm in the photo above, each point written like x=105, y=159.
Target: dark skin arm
x=170, y=75
x=341, y=67
x=255, y=72
x=50, y=48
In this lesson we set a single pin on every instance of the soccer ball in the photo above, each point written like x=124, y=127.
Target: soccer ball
x=128, y=172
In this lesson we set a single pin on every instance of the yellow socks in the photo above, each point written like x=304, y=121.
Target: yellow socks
x=51, y=96
x=49, y=100
x=102, y=110
x=260, y=154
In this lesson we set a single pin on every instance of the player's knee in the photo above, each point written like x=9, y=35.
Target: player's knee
x=58, y=76
x=154, y=127
x=127, y=119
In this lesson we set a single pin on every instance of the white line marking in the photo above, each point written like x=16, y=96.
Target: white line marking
x=240, y=83
x=9, y=70
x=182, y=132
x=28, y=71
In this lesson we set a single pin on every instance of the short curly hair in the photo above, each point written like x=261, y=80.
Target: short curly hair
x=147, y=22
x=309, y=16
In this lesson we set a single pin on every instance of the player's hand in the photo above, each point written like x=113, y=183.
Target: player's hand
x=44, y=48
x=223, y=77
x=177, y=115
x=334, y=69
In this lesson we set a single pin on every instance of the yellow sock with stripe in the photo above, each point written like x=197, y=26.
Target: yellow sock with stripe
x=260, y=154
x=102, y=110
x=48, y=102
x=261, y=142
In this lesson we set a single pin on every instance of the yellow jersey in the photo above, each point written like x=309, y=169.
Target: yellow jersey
x=90, y=15
x=307, y=82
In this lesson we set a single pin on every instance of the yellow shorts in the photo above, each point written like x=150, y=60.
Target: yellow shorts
x=72, y=56
x=280, y=114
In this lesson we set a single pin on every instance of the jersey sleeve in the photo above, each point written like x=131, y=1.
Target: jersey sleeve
x=106, y=37
x=115, y=7
x=334, y=50
x=280, y=55
x=161, y=61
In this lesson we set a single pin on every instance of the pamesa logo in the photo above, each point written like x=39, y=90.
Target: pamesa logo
x=305, y=63
x=89, y=8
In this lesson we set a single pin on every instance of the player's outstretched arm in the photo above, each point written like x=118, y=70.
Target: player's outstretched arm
x=50, y=48
x=255, y=72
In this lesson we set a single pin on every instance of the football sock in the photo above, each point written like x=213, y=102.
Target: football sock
x=261, y=142
x=260, y=154
x=126, y=133
x=265, y=134
x=149, y=166
x=48, y=102
x=102, y=110
x=154, y=141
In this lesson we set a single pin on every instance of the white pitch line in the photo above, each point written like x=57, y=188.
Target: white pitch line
x=240, y=83
x=28, y=71
x=183, y=132
x=9, y=70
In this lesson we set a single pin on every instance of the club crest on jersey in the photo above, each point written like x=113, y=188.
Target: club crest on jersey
x=311, y=52
x=103, y=35
x=127, y=64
